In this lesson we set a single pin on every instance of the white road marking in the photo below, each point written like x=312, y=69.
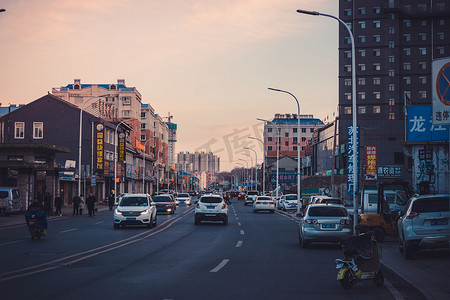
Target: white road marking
x=242, y=232
x=12, y=242
x=99, y=222
x=239, y=224
x=220, y=266
x=68, y=230
x=237, y=218
x=239, y=244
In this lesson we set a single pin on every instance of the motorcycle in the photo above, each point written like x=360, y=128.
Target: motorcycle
x=37, y=223
x=362, y=261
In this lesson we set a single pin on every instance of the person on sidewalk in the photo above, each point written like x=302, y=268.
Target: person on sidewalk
x=58, y=205
x=90, y=203
x=82, y=204
x=76, y=204
x=111, y=200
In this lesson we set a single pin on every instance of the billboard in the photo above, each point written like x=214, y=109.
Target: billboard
x=420, y=127
x=352, y=179
x=99, y=146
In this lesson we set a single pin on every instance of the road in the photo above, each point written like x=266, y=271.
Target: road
x=256, y=256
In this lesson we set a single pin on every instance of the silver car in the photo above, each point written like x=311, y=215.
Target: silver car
x=425, y=224
x=324, y=223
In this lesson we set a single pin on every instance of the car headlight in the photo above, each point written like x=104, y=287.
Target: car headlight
x=118, y=212
x=145, y=212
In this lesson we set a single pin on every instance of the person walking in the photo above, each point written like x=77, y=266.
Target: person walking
x=90, y=203
x=111, y=200
x=58, y=205
x=76, y=204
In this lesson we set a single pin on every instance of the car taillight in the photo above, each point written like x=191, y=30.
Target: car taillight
x=311, y=221
x=412, y=215
x=345, y=222
x=270, y=202
x=224, y=206
x=258, y=202
x=197, y=205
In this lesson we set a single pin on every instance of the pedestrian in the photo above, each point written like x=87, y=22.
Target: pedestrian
x=76, y=204
x=58, y=204
x=48, y=204
x=90, y=203
x=111, y=200
x=82, y=204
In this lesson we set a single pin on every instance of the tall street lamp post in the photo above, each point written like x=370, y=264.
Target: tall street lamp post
x=278, y=150
x=256, y=166
x=80, y=139
x=354, y=144
x=263, y=164
x=252, y=174
x=143, y=164
x=157, y=170
x=246, y=170
x=299, y=191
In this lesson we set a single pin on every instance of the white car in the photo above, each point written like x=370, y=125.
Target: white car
x=183, y=198
x=289, y=202
x=135, y=209
x=264, y=203
x=211, y=208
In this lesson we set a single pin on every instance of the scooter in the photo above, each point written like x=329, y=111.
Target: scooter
x=349, y=274
x=36, y=221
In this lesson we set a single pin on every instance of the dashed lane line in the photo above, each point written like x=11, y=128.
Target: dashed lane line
x=242, y=232
x=220, y=266
x=68, y=230
x=239, y=244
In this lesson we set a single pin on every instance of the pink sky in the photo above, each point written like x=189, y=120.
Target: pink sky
x=207, y=62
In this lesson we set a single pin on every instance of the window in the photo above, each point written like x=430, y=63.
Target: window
x=286, y=143
x=407, y=37
x=347, y=82
x=391, y=44
x=347, y=12
x=422, y=7
x=38, y=130
x=441, y=22
x=361, y=81
x=295, y=148
x=294, y=130
x=422, y=94
x=295, y=140
x=362, y=24
x=440, y=6
x=362, y=53
x=423, y=36
x=286, y=134
x=391, y=30
x=423, y=79
x=423, y=65
x=408, y=94
x=349, y=24
x=348, y=96
x=362, y=67
x=377, y=38
x=377, y=10
x=19, y=130
x=376, y=95
x=391, y=73
x=362, y=10
x=391, y=116
x=376, y=67
x=269, y=138
x=423, y=51
x=303, y=139
x=376, y=81
x=407, y=51
x=348, y=68
x=377, y=109
x=391, y=87
x=348, y=40
x=126, y=100
x=362, y=38
x=142, y=125
x=269, y=148
x=440, y=50
x=361, y=109
x=303, y=130
x=376, y=52
x=391, y=102
x=377, y=24
x=269, y=129
x=142, y=114
x=348, y=54
x=311, y=130
x=126, y=113
x=423, y=23
x=110, y=99
x=407, y=66
x=143, y=137
x=347, y=110
x=440, y=35
x=407, y=23
x=391, y=58
x=362, y=95
x=407, y=80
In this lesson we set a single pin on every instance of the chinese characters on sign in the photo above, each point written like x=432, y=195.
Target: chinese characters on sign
x=284, y=178
x=371, y=162
x=420, y=127
x=121, y=147
x=440, y=86
x=99, y=142
x=352, y=179
x=391, y=171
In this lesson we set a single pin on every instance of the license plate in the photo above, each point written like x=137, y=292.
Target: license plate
x=264, y=203
x=210, y=207
x=210, y=215
x=439, y=222
x=328, y=226
x=131, y=219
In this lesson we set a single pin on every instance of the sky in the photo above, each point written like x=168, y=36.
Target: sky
x=209, y=63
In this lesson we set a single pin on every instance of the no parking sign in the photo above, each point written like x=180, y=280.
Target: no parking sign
x=441, y=91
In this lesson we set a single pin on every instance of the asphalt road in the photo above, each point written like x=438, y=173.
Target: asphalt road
x=256, y=256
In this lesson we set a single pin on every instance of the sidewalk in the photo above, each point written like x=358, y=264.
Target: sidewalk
x=18, y=219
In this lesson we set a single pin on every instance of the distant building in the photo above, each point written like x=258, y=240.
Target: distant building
x=198, y=162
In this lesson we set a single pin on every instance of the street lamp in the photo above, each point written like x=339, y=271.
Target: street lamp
x=246, y=162
x=243, y=172
x=263, y=164
x=143, y=164
x=251, y=167
x=354, y=144
x=278, y=149
x=79, y=140
x=157, y=170
x=256, y=166
x=299, y=191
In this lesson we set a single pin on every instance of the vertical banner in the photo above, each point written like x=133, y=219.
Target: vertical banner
x=121, y=157
x=99, y=143
x=371, y=163
x=352, y=179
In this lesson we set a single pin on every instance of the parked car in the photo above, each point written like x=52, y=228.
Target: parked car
x=288, y=202
x=324, y=223
x=9, y=200
x=211, y=208
x=183, y=198
x=263, y=203
x=164, y=203
x=425, y=225
x=135, y=209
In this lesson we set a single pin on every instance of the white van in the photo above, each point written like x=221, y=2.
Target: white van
x=9, y=200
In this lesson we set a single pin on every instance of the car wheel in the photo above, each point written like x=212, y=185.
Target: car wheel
x=379, y=279
x=304, y=243
x=116, y=226
x=150, y=224
x=408, y=251
x=155, y=221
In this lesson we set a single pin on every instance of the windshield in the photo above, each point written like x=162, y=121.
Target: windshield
x=252, y=193
x=264, y=198
x=161, y=199
x=291, y=197
x=134, y=201
x=211, y=200
x=325, y=211
x=183, y=195
x=331, y=201
x=438, y=204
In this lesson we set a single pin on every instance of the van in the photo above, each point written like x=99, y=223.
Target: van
x=394, y=198
x=9, y=200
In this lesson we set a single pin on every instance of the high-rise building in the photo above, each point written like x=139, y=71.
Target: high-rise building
x=198, y=162
x=396, y=42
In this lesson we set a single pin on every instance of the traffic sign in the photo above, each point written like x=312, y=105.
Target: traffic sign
x=441, y=91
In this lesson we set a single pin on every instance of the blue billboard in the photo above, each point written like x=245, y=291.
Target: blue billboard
x=420, y=128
